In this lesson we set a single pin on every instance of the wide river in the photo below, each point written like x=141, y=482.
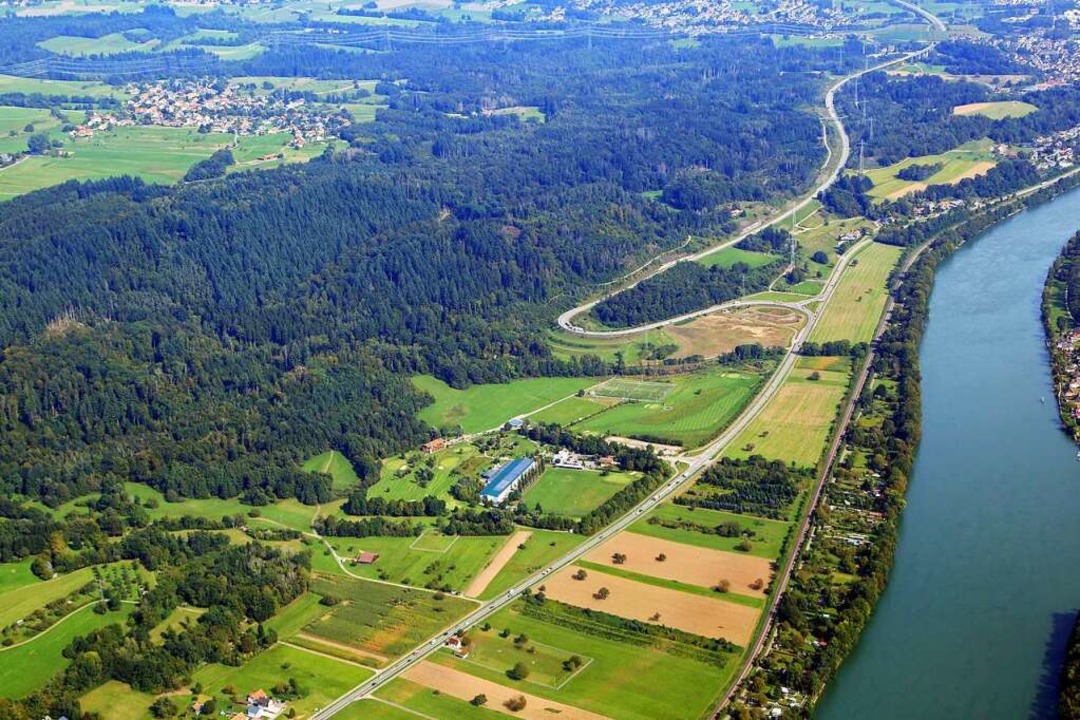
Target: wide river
x=987, y=575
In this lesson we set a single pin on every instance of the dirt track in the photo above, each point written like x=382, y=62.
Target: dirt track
x=498, y=562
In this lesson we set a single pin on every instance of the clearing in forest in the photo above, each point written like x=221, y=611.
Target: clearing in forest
x=996, y=110
x=720, y=333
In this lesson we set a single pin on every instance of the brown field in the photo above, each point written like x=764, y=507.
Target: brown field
x=350, y=649
x=684, y=563
x=465, y=687
x=720, y=333
x=498, y=562
x=693, y=613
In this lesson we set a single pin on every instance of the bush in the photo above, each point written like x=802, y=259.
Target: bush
x=515, y=704
x=479, y=700
x=518, y=672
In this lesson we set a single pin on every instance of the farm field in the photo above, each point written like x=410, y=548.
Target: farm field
x=625, y=680
x=337, y=466
x=156, y=154
x=720, y=333
x=545, y=662
x=687, y=564
x=968, y=160
x=429, y=703
x=794, y=426
x=112, y=44
x=118, y=701
x=996, y=110
x=290, y=513
x=562, y=491
x=498, y=561
x=324, y=678
x=859, y=299
x=731, y=255
x=76, y=88
x=541, y=548
x=571, y=410
x=382, y=619
x=768, y=535
x=16, y=575
x=698, y=407
x=705, y=616
x=20, y=602
x=29, y=667
x=483, y=407
x=431, y=559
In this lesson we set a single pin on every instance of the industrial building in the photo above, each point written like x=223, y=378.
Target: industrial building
x=507, y=478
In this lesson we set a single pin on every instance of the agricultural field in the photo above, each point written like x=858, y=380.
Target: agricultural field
x=561, y=491
x=729, y=256
x=20, y=602
x=335, y=465
x=624, y=680
x=826, y=238
x=677, y=523
x=156, y=154
x=794, y=426
x=382, y=619
x=545, y=662
x=112, y=44
x=697, y=407
x=427, y=702
x=431, y=560
x=572, y=410
x=71, y=88
x=857, y=303
x=542, y=547
x=967, y=161
x=484, y=407
x=16, y=575
x=631, y=348
x=996, y=110
x=720, y=333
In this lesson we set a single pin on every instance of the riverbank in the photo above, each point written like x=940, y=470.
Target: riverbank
x=1061, y=296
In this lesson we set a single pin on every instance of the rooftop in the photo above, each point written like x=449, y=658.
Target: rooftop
x=505, y=476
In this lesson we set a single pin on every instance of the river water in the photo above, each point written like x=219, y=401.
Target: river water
x=987, y=575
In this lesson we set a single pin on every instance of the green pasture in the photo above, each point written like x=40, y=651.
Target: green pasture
x=574, y=492
x=569, y=411
x=631, y=348
x=111, y=44
x=956, y=164
x=290, y=513
x=71, y=88
x=424, y=702
x=541, y=549
x=768, y=535
x=18, y=603
x=699, y=407
x=997, y=110
x=176, y=621
x=335, y=465
x=727, y=257
x=484, y=407
x=544, y=662
x=436, y=560
x=856, y=305
x=459, y=459
x=525, y=112
x=119, y=701
x=15, y=575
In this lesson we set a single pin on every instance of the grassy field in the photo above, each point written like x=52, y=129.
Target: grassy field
x=571, y=410
x=156, y=154
x=483, y=407
x=430, y=559
x=567, y=345
x=426, y=702
x=996, y=110
x=20, y=602
x=71, y=88
x=28, y=667
x=334, y=464
x=698, y=408
x=542, y=548
x=324, y=678
x=767, y=537
x=291, y=513
x=397, y=480
x=16, y=575
x=966, y=161
x=623, y=681
x=112, y=44
x=858, y=301
x=544, y=662
x=382, y=619
x=176, y=620
x=574, y=492
x=729, y=256
x=118, y=701
x=794, y=426
x=525, y=112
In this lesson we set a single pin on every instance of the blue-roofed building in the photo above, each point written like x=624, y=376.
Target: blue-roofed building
x=506, y=479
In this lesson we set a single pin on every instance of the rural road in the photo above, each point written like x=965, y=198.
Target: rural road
x=695, y=464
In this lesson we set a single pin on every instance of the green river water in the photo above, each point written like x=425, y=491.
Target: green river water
x=987, y=574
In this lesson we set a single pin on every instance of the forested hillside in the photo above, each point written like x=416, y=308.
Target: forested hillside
x=204, y=339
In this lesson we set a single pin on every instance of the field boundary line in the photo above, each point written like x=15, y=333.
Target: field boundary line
x=312, y=651
x=412, y=545
x=569, y=677
x=402, y=708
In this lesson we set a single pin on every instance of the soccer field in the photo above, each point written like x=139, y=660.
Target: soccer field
x=627, y=389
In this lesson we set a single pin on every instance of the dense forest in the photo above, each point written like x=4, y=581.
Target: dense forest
x=204, y=339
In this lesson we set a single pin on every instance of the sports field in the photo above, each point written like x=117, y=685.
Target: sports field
x=484, y=407
x=729, y=256
x=856, y=305
x=574, y=492
x=967, y=161
x=720, y=333
x=622, y=388
x=794, y=426
x=625, y=680
x=430, y=559
x=996, y=110
x=685, y=525
x=698, y=407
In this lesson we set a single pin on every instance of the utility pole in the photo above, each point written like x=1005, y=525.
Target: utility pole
x=860, y=155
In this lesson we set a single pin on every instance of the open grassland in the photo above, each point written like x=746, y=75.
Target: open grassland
x=624, y=680
x=694, y=613
x=794, y=426
x=855, y=308
x=427, y=702
x=766, y=539
x=383, y=619
x=561, y=491
x=70, y=88
x=545, y=662
x=26, y=668
x=699, y=406
x=118, y=701
x=20, y=602
x=571, y=410
x=967, y=161
x=176, y=621
x=996, y=110
x=631, y=347
x=290, y=513
x=727, y=257
x=16, y=575
x=111, y=44
x=512, y=545
x=301, y=84
x=720, y=333
x=525, y=112
x=156, y=154
x=542, y=548
x=397, y=478
x=483, y=407
x=323, y=677
x=688, y=564
x=430, y=560
x=335, y=465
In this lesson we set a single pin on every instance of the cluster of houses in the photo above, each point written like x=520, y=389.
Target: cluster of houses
x=699, y=15
x=570, y=460
x=1057, y=150
x=1068, y=373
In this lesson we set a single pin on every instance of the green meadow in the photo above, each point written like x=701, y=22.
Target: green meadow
x=424, y=701
x=451, y=562
x=727, y=257
x=768, y=535
x=112, y=44
x=541, y=549
x=335, y=465
x=484, y=407
x=857, y=303
x=561, y=491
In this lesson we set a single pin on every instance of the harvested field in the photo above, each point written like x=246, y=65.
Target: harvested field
x=684, y=563
x=316, y=642
x=497, y=563
x=705, y=616
x=996, y=110
x=720, y=333
x=464, y=686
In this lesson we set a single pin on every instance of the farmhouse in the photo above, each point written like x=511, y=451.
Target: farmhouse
x=367, y=558
x=507, y=478
x=459, y=648
x=261, y=706
x=433, y=446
